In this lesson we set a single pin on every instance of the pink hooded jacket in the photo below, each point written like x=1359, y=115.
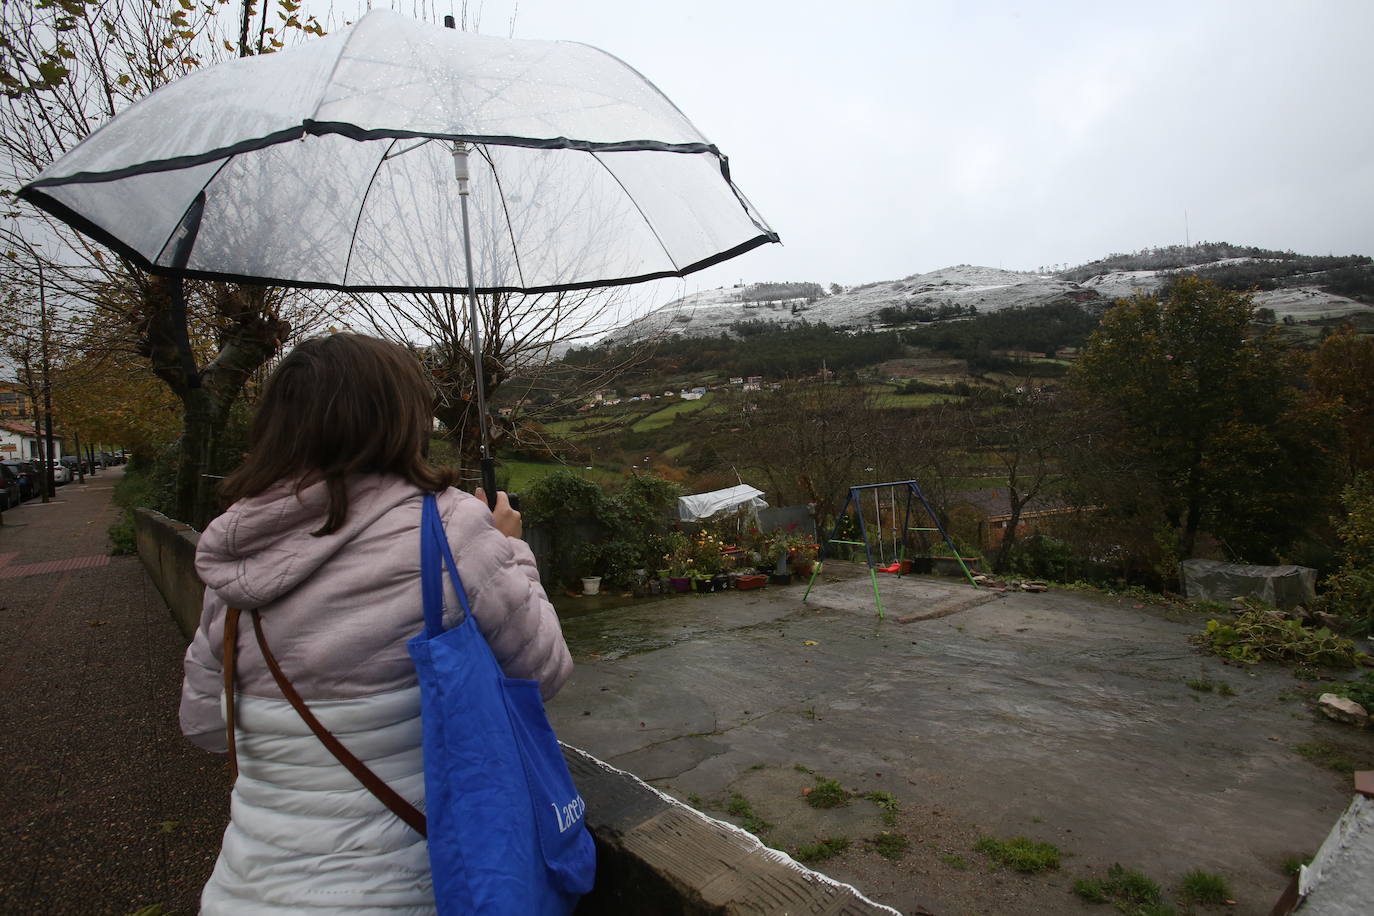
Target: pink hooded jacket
x=337, y=612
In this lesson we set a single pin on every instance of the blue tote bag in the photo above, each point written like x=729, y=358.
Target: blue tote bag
x=505, y=822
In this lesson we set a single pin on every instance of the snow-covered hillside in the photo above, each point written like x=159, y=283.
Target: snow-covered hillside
x=712, y=312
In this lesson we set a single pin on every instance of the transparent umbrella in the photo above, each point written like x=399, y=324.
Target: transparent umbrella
x=350, y=163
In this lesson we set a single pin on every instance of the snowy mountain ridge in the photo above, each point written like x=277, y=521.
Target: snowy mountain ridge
x=986, y=289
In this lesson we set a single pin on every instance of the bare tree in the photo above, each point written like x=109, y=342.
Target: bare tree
x=66, y=67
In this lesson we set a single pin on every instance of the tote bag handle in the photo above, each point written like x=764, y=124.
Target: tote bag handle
x=388, y=796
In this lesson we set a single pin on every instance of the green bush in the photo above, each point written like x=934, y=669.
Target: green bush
x=595, y=534
x=1043, y=557
x=1361, y=690
x=1350, y=592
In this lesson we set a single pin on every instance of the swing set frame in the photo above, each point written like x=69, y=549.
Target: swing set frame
x=854, y=499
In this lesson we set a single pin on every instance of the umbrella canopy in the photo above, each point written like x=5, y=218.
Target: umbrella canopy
x=331, y=166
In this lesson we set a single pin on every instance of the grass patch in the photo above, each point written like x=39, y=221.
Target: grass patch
x=515, y=475
x=1131, y=892
x=1360, y=690
x=1204, y=887
x=1292, y=864
x=827, y=794
x=891, y=846
x=1206, y=685
x=137, y=488
x=821, y=850
x=1019, y=853
x=887, y=805
x=739, y=807
x=694, y=800
x=954, y=861
x=1327, y=755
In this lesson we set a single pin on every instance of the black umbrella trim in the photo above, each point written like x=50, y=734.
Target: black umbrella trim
x=354, y=132
x=88, y=228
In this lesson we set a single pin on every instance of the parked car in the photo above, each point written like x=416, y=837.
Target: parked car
x=74, y=465
x=24, y=477
x=9, y=489
x=60, y=474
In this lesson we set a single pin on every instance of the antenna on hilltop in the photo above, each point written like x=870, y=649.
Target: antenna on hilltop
x=1187, y=238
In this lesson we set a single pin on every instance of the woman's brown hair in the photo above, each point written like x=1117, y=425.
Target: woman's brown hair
x=339, y=405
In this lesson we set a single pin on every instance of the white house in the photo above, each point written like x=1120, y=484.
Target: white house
x=17, y=440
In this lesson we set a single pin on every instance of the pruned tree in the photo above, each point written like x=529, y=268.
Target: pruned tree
x=66, y=66
x=1024, y=432
x=521, y=339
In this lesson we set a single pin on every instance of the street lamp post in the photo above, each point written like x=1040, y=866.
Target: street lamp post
x=48, y=480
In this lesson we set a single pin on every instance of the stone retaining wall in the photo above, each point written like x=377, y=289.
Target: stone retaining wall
x=654, y=854
x=168, y=551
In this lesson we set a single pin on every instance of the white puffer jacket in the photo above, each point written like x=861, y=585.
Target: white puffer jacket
x=304, y=836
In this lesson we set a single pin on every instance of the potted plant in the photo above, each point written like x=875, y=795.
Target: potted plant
x=677, y=561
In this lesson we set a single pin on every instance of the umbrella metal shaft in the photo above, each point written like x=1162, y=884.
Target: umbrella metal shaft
x=460, y=168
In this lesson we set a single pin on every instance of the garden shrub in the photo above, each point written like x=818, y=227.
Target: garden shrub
x=592, y=533
x=1350, y=592
x=1043, y=557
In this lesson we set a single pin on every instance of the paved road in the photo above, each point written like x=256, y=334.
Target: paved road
x=105, y=808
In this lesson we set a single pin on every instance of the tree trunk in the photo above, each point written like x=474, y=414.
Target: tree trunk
x=249, y=338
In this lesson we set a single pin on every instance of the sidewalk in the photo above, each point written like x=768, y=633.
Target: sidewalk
x=105, y=808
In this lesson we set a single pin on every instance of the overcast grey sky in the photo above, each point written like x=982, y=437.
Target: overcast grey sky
x=882, y=139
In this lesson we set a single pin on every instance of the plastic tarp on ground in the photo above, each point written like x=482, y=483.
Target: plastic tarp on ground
x=704, y=505
x=1280, y=586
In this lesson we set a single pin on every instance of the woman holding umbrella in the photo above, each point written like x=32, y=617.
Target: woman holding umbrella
x=322, y=540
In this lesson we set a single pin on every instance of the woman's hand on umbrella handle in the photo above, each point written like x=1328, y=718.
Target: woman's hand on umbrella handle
x=506, y=519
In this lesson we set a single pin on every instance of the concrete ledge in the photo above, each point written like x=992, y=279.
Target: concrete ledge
x=654, y=854
x=168, y=551
x=657, y=855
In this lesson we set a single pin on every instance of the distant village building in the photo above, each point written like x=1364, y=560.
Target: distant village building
x=753, y=383
x=18, y=440
x=15, y=402
x=737, y=380
x=693, y=394
x=986, y=515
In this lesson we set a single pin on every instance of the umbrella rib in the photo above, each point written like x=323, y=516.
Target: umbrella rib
x=182, y=219
x=640, y=210
x=362, y=205
x=510, y=227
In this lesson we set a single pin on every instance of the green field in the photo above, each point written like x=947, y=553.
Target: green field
x=664, y=416
x=515, y=474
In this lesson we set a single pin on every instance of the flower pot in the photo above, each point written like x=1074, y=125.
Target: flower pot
x=591, y=585
x=746, y=582
x=720, y=582
x=680, y=583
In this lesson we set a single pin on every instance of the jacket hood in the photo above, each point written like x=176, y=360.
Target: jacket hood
x=262, y=548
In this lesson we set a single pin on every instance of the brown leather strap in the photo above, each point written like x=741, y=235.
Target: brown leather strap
x=384, y=793
x=231, y=638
